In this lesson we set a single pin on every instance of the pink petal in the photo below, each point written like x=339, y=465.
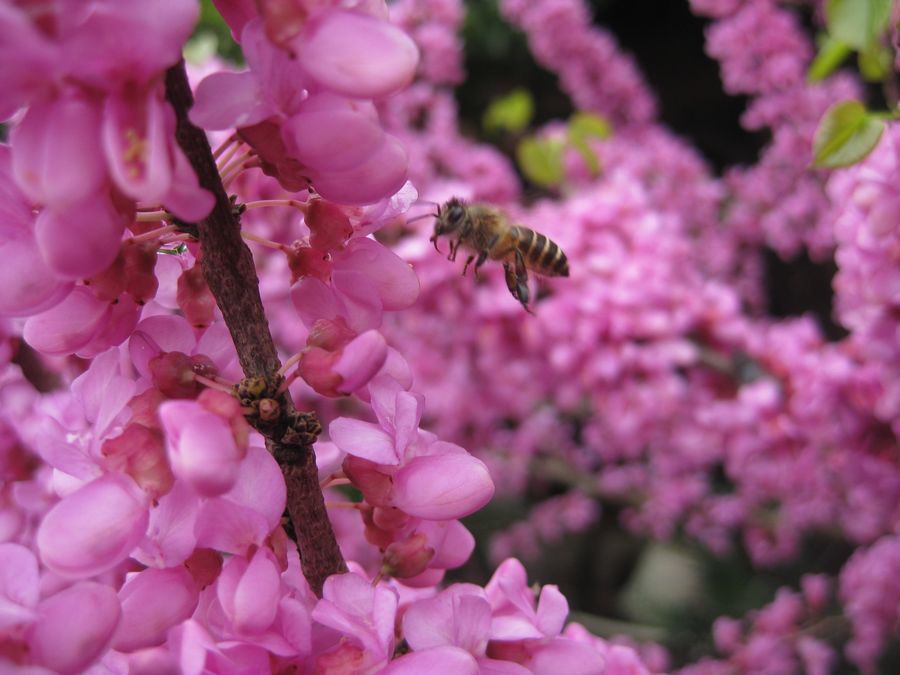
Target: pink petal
x=361, y=305
x=97, y=49
x=488, y=666
x=363, y=439
x=357, y=55
x=351, y=605
x=192, y=644
x=567, y=656
x=29, y=60
x=169, y=333
x=69, y=325
x=94, y=528
x=136, y=142
x=314, y=300
x=552, y=611
x=226, y=100
x=185, y=198
x=361, y=359
x=27, y=286
x=75, y=626
x=202, y=448
x=260, y=486
x=460, y=617
x=229, y=527
x=380, y=175
x=332, y=140
x=81, y=241
x=395, y=280
x=455, y=547
x=152, y=602
x=115, y=329
x=170, y=536
x=438, y=660
x=19, y=588
x=249, y=592
x=104, y=392
x=56, y=158
x=407, y=413
x=443, y=487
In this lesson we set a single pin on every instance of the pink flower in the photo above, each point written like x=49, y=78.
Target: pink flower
x=356, y=55
x=19, y=591
x=94, y=528
x=364, y=614
x=249, y=591
x=153, y=601
x=74, y=627
x=206, y=439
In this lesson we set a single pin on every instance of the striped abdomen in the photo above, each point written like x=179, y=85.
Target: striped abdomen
x=540, y=253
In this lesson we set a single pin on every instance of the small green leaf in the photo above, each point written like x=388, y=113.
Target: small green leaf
x=201, y=47
x=857, y=22
x=831, y=54
x=512, y=112
x=541, y=160
x=847, y=133
x=875, y=62
x=584, y=125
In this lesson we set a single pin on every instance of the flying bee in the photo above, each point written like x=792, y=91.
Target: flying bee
x=487, y=233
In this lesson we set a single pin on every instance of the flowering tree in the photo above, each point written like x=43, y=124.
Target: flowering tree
x=245, y=404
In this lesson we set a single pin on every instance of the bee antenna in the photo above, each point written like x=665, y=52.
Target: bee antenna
x=424, y=215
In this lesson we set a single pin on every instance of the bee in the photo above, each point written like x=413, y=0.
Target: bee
x=487, y=233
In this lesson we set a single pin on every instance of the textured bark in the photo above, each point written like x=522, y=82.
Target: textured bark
x=231, y=275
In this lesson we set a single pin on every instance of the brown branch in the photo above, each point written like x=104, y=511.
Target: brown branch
x=231, y=275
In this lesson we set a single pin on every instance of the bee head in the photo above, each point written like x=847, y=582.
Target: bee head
x=450, y=217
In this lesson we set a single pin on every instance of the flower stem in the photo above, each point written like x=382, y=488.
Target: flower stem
x=231, y=275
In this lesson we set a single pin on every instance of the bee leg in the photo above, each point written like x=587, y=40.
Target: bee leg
x=433, y=240
x=521, y=293
x=511, y=282
x=469, y=262
x=453, y=249
x=483, y=255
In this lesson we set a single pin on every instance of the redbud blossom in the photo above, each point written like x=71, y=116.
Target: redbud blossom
x=152, y=602
x=356, y=55
x=74, y=627
x=203, y=449
x=94, y=528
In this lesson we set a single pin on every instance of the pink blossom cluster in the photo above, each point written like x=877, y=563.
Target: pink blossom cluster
x=777, y=638
x=764, y=53
x=424, y=116
x=140, y=514
x=591, y=68
x=92, y=144
x=868, y=250
x=871, y=595
x=141, y=517
x=305, y=103
x=641, y=371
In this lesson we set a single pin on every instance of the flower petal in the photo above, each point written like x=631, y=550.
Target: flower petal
x=443, y=487
x=94, y=528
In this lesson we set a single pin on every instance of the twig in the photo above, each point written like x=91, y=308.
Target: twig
x=231, y=275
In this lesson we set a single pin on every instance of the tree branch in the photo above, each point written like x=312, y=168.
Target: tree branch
x=231, y=275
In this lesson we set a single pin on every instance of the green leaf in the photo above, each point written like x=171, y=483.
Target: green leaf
x=875, y=62
x=510, y=113
x=831, y=54
x=857, y=22
x=541, y=160
x=847, y=133
x=584, y=125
